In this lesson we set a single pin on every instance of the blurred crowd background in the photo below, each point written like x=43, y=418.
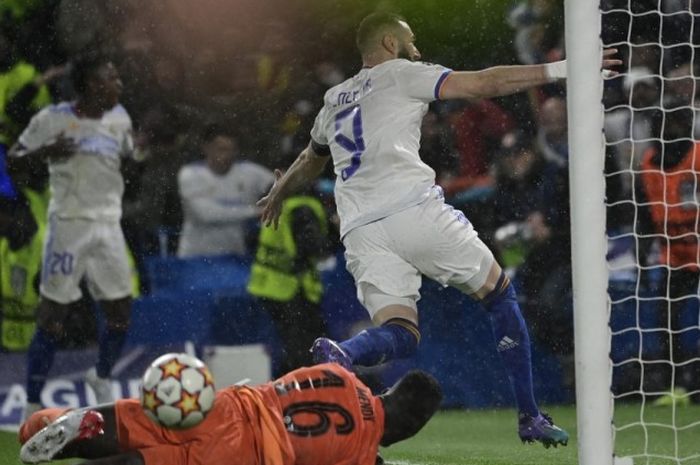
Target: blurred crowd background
x=254, y=72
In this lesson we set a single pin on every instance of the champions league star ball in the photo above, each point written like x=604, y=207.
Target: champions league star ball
x=177, y=391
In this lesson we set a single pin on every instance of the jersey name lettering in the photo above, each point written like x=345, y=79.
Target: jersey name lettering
x=351, y=96
x=365, y=405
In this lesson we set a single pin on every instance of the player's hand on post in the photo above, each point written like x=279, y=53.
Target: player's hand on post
x=610, y=62
x=557, y=69
x=271, y=204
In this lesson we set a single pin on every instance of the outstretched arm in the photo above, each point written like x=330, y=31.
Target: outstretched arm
x=505, y=80
x=305, y=169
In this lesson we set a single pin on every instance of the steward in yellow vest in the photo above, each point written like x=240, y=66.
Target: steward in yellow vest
x=23, y=91
x=20, y=265
x=285, y=280
x=21, y=247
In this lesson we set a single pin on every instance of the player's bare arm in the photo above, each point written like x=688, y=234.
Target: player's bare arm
x=307, y=167
x=506, y=80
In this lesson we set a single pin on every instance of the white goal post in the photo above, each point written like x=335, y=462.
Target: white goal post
x=636, y=273
x=589, y=243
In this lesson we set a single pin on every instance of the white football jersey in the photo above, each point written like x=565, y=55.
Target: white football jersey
x=371, y=122
x=216, y=207
x=89, y=183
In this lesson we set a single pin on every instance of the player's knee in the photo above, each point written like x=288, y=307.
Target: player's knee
x=118, y=313
x=408, y=406
x=407, y=335
x=50, y=318
x=503, y=291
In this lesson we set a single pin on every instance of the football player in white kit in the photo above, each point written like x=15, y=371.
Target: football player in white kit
x=395, y=225
x=84, y=142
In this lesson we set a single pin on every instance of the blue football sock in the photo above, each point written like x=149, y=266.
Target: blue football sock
x=397, y=338
x=40, y=357
x=513, y=342
x=111, y=344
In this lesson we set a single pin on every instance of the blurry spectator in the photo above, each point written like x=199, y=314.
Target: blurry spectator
x=272, y=69
x=84, y=142
x=23, y=91
x=328, y=74
x=552, y=134
x=680, y=86
x=22, y=226
x=218, y=197
x=478, y=129
x=668, y=214
x=531, y=209
x=87, y=25
x=437, y=148
x=628, y=133
x=285, y=280
x=525, y=201
x=538, y=36
x=680, y=35
x=633, y=121
x=152, y=210
x=680, y=89
x=295, y=127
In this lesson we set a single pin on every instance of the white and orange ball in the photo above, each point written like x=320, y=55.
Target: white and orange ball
x=177, y=391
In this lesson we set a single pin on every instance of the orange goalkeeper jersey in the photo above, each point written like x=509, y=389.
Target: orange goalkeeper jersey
x=242, y=428
x=331, y=417
x=321, y=415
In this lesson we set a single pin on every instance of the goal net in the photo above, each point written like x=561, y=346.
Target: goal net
x=652, y=168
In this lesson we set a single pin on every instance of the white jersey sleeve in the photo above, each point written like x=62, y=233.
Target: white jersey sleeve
x=317, y=133
x=127, y=144
x=40, y=132
x=419, y=80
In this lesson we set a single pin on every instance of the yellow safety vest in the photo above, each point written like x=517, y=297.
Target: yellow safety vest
x=18, y=9
x=18, y=272
x=272, y=275
x=12, y=82
x=135, y=277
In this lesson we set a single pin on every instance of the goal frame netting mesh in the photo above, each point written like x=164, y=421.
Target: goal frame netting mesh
x=635, y=218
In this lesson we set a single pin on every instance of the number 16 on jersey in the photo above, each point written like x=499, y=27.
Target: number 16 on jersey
x=350, y=121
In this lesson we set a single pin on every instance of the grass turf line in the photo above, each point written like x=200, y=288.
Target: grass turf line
x=489, y=437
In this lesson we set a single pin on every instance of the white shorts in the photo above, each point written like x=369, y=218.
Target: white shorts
x=76, y=248
x=431, y=238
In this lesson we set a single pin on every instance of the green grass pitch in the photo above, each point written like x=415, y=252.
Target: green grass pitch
x=488, y=437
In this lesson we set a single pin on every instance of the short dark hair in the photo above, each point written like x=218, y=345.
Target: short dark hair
x=373, y=24
x=84, y=68
x=213, y=130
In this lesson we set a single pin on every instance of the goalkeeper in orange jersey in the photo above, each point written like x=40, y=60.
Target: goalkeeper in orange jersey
x=319, y=415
